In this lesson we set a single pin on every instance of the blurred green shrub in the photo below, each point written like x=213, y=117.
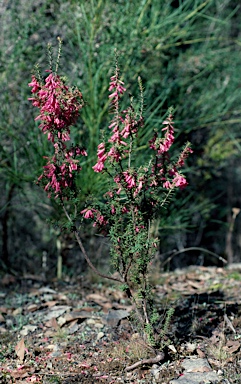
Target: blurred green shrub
x=187, y=54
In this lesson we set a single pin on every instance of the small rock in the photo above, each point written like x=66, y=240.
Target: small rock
x=196, y=365
x=100, y=335
x=114, y=316
x=196, y=370
x=27, y=329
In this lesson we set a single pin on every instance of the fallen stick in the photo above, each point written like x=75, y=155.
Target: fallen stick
x=229, y=323
x=152, y=360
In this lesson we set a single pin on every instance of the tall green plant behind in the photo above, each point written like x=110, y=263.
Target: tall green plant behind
x=187, y=54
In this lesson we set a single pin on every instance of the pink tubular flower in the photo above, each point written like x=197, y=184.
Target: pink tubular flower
x=59, y=107
x=100, y=220
x=138, y=228
x=101, y=152
x=116, y=85
x=123, y=125
x=102, y=156
x=82, y=152
x=99, y=166
x=180, y=181
x=184, y=154
x=35, y=86
x=164, y=144
x=58, y=173
x=140, y=185
x=152, y=142
x=129, y=179
x=114, y=154
x=167, y=185
x=88, y=213
x=116, y=138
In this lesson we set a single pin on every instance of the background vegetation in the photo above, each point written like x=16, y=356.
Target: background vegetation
x=188, y=55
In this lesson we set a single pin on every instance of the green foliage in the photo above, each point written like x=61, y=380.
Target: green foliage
x=187, y=54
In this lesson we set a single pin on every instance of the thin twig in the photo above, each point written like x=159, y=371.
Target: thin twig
x=195, y=249
x=145, y=311
x=77, y=236
x=152, y=360
x=90, y=263
x=229, y=323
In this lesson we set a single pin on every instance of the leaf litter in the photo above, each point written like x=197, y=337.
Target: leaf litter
x=75, y=332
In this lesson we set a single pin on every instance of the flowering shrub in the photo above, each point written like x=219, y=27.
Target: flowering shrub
x=136, y=192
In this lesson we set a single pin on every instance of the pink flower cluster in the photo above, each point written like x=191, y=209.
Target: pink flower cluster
x=116, y=85
x=163, y=145
x=59, y=174
x=163, y=171
x=124, y=125
x=59, y=108
x=138, y=188
x=91, y=213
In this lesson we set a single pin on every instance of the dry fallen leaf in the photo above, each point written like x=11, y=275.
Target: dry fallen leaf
x=22, y=372
x=172, y=348
x=27, y=329
x=232, y=346
x=20, y=349
x=100, y=300
x=54, y=323
x=32, y=307
x=201, y=353
x=190, y=347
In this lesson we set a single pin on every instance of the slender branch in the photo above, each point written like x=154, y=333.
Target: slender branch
x=90, y=263
x=229, y=323
x=77, y=236
x=144, y=307
x=130, y=295
x=194, y=249
x=127, y=268
x=66, y=213
x=144, y=301
x=152, y=360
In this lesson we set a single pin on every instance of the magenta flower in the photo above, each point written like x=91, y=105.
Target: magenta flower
x=35, y=86
x=88, y=213
x=184, y=154
x=114, y=154
x=180, y=181
x=167, y=185
x=129, y=179
x=117, y=86
x=99, y=166
x=59, y=107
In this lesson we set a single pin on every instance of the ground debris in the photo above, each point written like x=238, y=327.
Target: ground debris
x=82, y=334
